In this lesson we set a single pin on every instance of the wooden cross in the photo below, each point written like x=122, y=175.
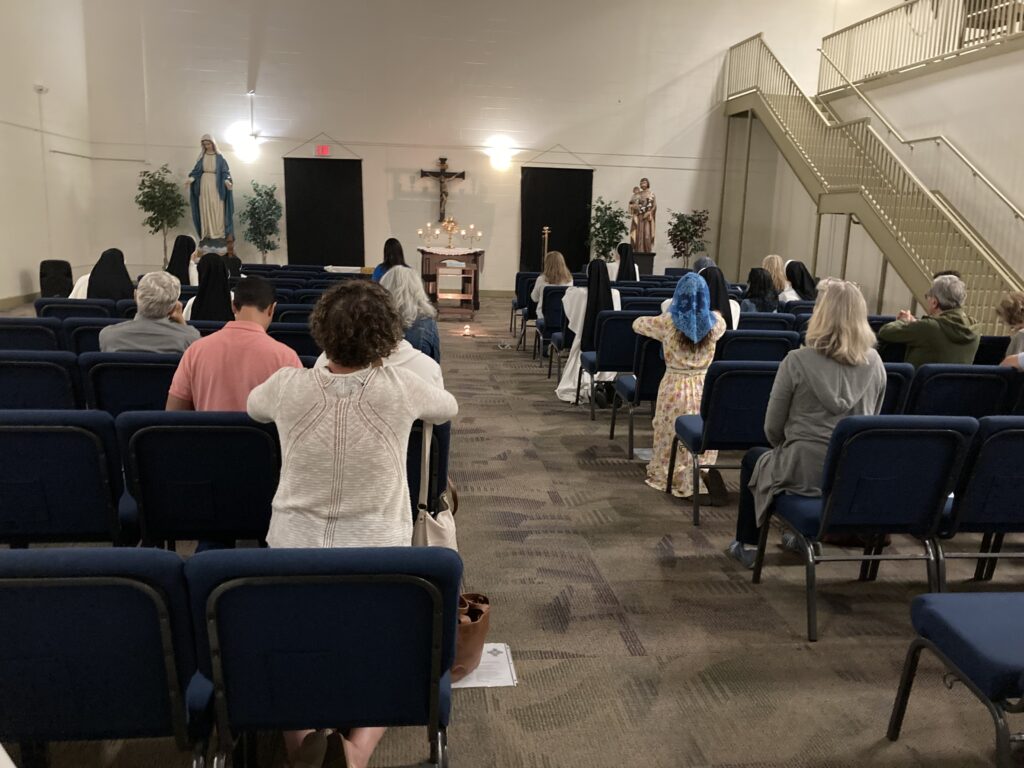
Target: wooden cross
x=443, y=177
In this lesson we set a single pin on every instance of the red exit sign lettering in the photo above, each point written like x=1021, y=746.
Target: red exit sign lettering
x=323, y=150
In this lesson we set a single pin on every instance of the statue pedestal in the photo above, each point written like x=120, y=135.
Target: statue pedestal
x=644, y=261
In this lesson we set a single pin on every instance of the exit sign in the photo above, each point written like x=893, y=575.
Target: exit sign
x=323, y=150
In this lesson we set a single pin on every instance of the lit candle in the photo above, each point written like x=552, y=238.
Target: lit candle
x=437, y=232
x=419, y=232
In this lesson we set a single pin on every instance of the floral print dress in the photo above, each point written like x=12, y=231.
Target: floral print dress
x=679, y=394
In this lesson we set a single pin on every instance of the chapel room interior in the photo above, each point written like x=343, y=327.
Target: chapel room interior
x=871, y=147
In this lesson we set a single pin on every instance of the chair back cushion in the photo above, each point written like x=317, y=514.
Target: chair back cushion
x=295, y=335
x=767, y=321
x=960, y=390
x=734, y=403
x=43, y=380
x=991, y=350
x=897, y=383
x=127, y=381
x=766, y=346
x=987, y=495
x=82, y=334
x=32, y=333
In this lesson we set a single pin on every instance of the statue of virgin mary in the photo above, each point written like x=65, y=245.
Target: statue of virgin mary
x=213, y=204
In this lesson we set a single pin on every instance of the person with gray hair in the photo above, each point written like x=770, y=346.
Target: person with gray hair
x=158, y=325
x=946, y=335
x=417, y=313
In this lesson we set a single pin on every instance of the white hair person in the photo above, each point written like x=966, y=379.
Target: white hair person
x=156, y=295
x=406, y=288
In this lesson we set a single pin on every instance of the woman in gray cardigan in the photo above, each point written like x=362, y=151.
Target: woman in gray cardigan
x=836, y=374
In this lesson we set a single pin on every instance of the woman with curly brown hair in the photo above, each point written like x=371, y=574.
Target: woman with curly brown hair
x=344, y=433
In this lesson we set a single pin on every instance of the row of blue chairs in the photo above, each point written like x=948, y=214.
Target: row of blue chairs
x=126, y=308
x=84, y=476
x=136, y=643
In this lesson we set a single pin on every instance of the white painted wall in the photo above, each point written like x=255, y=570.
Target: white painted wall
x=630, y=89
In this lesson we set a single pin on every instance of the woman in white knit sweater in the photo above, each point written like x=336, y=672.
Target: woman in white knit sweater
x=344, y=432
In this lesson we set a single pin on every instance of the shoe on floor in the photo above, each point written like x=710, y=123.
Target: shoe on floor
x=791, y=543
x=741, y=554
x=716, y=487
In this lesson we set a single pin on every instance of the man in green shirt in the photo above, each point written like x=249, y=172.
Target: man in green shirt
x=945, y=335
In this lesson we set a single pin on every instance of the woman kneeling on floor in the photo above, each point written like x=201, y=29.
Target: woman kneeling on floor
x=836, y=374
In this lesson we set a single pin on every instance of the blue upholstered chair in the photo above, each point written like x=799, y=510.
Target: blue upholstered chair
x=552, y=311
x=307, y=295
x=30, y=379
x=867, y=491
x=764, y=346
x=561, y=343
x=766, y=321
x=284, y=295
x=60, y=480
x=798, y=307
x=676, y=272
x=127, y=381
x=103, y=649
x=897, y=383
x=200, y=476
x=648, y=304
x=521, y=299
x=732, y=412
x=62, y=308
x=292, y=313
x=437, y=480
x=640, y=386
x=206, y=327
x=659, y=292
x=82, y=334
x=127, y=308
x=614, y=343
x=629, y=291
x=378, y=655
x=877, y=321
x=977, y=637
x=41, y=334
x=527, y=311
x=987, y=497
x=288, y=283
x=960, y=390
x=991, y=350
x=295, y=335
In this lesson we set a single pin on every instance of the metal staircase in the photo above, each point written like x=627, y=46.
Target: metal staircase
x=848, y=169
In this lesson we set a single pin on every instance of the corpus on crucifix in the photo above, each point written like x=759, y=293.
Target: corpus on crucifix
x=443, y=176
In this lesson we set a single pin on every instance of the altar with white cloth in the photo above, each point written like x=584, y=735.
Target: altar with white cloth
x=471, y=265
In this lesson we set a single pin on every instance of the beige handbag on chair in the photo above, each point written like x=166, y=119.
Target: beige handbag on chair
x=432, y=530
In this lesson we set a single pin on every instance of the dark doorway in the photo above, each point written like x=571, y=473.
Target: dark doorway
x=324, y=206
x=558, y=198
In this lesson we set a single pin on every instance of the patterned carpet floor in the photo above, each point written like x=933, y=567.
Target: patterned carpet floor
x=636, y=641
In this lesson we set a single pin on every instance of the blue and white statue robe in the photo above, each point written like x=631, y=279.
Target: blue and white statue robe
x=213, y=203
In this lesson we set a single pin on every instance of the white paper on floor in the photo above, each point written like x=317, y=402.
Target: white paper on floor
x=495, y=671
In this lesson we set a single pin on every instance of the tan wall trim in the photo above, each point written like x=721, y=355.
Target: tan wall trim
x=16, y=301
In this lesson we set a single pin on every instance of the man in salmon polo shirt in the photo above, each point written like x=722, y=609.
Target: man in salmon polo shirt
x=218, y=372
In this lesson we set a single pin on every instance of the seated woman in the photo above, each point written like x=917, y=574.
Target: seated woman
x=721, y=301
x=393, y=257
x=775, y=267
x=418, y=315
x=180, y=262
x=761, y=295
x=624, y=267
x=801, y=280
x=109, y=279
x=555, y=273
x=344, y=433
x=1011, y=312
x=688, y=331
x=581, y=306
x=837, y=373
x=213, y=300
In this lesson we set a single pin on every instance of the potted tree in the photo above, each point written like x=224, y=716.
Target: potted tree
x=160, y=197
x=686, y=234
x=607, y=228
x=261, y=215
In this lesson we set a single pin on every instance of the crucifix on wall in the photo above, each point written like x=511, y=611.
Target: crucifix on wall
x=443, y=176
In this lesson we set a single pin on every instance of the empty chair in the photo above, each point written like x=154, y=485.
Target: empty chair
x=641, y=303
x=280, y=660
x=36, y=333
x=766, y=321
x=897, y=383
x=527, y=312
x=521, y=298
x=295, y=335
x=731, y=418
x=199, y=476
x=614, y=342
x=799, y=307
x=55, y=279
x=640, y=386
x=867, y=491
x=126, y=308
x=60, y=480
x=292, y=313
x=284, y=295
x=991, y=350
x=765, y=346
x=986, y=499
x=82, y=334
x=293, y=284
x=45, y=380
x=206, y=327
x=960, y=390
x=111, y=629
x=626, y=291
x=307, y=296
x=977, y=639
x=676, y=271
x=437, y=473
x=62, y=308
x=127, y=381
x=663, y=293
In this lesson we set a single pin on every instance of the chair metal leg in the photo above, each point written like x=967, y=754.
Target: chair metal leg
x=579, y=385
x=551, y=355
x=593, y=389
x=536, y=345
x=982, y=566
x=899, y=707
x=559, y=366
x=696, y=489
x=937, y=566
x=812, y=593
x=762, y=545
x=34, y=754
x=997, y=547
x=615, y=409
x=629, y=449
x=672, y=464
x=868, y=550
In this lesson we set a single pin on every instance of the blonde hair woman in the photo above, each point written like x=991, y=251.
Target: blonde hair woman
x=837, y=374
x=776, y=267
x=1011, y=312
x=555, y=273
